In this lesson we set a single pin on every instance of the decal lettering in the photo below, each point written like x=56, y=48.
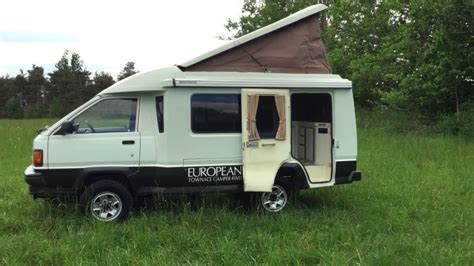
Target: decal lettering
x=215, y=174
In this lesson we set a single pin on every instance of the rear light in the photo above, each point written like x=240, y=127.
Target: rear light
x=38, y=157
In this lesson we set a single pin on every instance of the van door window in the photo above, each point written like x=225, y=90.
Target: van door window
x=110, y=115
x=267, y=117
x=159, y=113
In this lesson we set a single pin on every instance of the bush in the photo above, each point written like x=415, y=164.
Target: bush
x=462, y=124
x=56, y=108
x=33, y=111
x=393, y=120
x=13, y=109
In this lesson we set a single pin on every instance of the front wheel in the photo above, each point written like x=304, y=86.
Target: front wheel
x=275, y=200
x=106, y=201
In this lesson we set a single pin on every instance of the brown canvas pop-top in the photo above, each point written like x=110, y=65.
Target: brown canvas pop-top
x=282, y=47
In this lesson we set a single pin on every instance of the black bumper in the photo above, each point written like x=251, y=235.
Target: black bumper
x=353, y=176
x=346, y=172
x=34, y=178
x=40, y=189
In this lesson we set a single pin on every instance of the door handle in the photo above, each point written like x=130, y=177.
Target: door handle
x=128, y=142
x=268, y=144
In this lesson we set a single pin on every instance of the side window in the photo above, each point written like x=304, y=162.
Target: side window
x=159, y=113
x=111, y=115
x=215, y=113
x=311, y=107
x=267, y=117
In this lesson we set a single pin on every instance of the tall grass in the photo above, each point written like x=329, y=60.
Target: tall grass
x=413, y=206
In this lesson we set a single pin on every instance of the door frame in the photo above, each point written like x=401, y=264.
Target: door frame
x=262, y=158
x=333, y=140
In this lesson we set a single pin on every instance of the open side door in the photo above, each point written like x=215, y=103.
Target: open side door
x=265, y=136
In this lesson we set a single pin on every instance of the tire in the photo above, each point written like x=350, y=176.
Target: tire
x=275, y=200
x=106, y=201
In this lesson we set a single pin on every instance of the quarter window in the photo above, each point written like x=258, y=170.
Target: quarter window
x=159, y=113
x=215, y=113
x=111, y=115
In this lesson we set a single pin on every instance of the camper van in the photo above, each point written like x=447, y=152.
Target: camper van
x=262, y=114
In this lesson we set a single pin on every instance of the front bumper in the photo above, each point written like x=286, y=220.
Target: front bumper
x=33, y=178
x=39, y=187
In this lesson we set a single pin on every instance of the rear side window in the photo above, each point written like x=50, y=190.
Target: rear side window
x=215, y=113
x=110, y=115
x=159, y=113
x=311, y=107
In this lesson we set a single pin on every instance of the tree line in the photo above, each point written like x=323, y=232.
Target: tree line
x=409, y=56
x=35, y=94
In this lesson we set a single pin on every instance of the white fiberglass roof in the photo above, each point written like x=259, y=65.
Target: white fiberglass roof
x=173, y=77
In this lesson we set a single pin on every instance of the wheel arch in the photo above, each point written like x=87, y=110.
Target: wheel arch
x=118, y=174
x=294, y=172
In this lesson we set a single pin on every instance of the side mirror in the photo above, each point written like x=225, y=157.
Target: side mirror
x=67, y=127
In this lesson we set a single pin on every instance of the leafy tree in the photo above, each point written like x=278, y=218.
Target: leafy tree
x=441, y=80
x=12, y=108
x=56, y=108
x=100, y=81
x=358, y=42
x=255, y=15
x=6, y=92
x=103, y=80
x=19, y=87
x=69, y=83
x=35, y=90
x=420, y=59
x=127, y=71
x=33, y=111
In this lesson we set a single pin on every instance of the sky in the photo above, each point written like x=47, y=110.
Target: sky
x=107, y=34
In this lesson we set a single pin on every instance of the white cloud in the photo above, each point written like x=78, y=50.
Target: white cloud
x=108, y=33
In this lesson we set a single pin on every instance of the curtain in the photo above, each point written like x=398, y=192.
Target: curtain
x=252, y=117
x=280, y=106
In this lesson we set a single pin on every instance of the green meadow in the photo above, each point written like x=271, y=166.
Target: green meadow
x=414, y=205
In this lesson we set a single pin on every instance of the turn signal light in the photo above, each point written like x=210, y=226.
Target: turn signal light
x=38, y=157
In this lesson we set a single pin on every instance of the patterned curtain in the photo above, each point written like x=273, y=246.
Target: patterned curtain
x=252, y=117
x=280, y=105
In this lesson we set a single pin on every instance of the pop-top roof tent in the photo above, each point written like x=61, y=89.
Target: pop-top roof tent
x=286, y=54
x=290, y=45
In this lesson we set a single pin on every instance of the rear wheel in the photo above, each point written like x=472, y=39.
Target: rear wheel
x=275, y=200
x=106, y=201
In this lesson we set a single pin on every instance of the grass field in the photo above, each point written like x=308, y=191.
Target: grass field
x=414, y=205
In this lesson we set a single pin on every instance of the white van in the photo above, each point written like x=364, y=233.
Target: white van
x=192, y=129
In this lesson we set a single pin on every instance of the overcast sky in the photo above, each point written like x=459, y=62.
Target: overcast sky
x=106, y=34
